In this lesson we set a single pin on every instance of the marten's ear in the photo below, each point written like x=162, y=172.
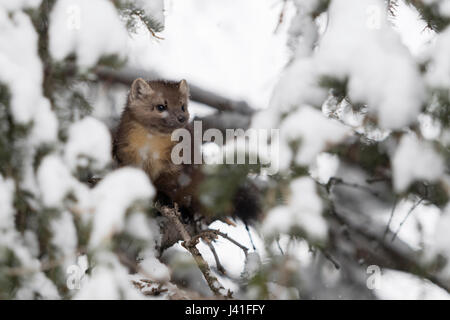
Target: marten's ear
x=140, y=89
x=184, y=88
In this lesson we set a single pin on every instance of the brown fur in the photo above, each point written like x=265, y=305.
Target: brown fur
x=143, y=139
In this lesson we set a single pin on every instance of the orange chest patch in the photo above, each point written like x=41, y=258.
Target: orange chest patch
x=151, y=152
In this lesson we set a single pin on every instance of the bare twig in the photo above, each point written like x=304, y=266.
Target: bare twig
x=330, y=258
x=394, y=236
x=281, y=16
x=391, y=7
x=396, y=255
x=127, y=75
x=279, y=246
x=390, y=219
x=190, y=244
x=250, y=236
x=336, y=181
x=216, y=257
x=225, y=236
x=145, y=284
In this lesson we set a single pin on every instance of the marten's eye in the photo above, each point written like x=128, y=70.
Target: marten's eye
x=182, y=108
x=160, y=107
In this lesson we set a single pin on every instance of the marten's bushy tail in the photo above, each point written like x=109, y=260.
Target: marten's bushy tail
x=247, y=202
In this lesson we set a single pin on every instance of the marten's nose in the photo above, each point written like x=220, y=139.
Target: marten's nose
x=181, y=118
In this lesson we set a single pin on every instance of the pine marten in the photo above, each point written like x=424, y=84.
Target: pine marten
x=153, y=111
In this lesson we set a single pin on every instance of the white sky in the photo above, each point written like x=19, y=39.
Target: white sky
x=226, y=46
x=231, y=47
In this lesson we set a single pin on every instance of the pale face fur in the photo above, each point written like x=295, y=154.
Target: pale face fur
x=160, y=107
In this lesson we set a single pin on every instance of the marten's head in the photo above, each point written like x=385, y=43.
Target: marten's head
x=160, y=106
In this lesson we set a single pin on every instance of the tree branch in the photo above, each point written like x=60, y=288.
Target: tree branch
x=126, y=76
x=225, y=236
x=368, y=245
x=219, y=266
x=190, y=244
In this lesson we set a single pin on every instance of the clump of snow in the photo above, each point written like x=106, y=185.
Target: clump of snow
x=325, y=167
x=21, y=69
x=397, y=285
x=88, y=139
x=45, y=124
x=6, y=203
x=252, y=265
x=112, y=196
x=109, y=280
x=101, y=285
x=277, y=220
x=153, y=267
x=304, y=210
x=55, y=181
x=357, y=32
x=141, y=227
x=37, y=286
x=412, y=29
x=31, y=241
x=360, y=44
x=314, y=130
x=64, y=234
x=438, y=72
x=307, y=126
x=303, y=31
x=20, y=65
x=425, y=215
x=298, y=85
x=75, y=26
x=415, y=159
x=82, y=262
x=153, y=8
x=35, y=283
